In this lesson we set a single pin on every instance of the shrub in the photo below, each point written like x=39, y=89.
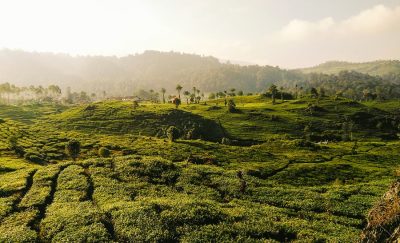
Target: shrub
x=172, y=133
x=232, y=106
x=13, y=145
x=73, y=149
x=33, y=157
x=127, y=152
x=140, y=224
x=73, y=222
x=15, y=228
x=158, y=171
x=135, y=104
x=152, y=169
x=104, y=152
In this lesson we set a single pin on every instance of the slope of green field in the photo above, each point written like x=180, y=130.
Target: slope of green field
x=27, y=113
x=268, y=185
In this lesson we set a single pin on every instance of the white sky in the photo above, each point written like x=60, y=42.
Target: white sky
x=287, y=33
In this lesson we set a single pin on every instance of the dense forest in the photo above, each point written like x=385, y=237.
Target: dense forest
x=152, y=70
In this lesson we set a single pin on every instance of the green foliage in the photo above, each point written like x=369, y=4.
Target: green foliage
x=13, y=145
x=288, y=189
x=273, y=90
x=104, y=152
x=231, y=106
x=40, y=191
x=34, y=157
x=74, y=222
x=176, y=102
x=73, y=149
x=154, y=170
x=373, y=68
x=172, y=133
x=16, y=227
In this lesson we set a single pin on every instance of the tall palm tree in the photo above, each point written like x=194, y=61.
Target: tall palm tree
x=198, y=95
x=163, y=94
x=179, y=88
x=186, y=94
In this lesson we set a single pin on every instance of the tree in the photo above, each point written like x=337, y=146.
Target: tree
x=172, y=133
x=55, y=91
x=187, y=95
x=225, y=94
x=176, y=102
x=192, y=98
x=135, y=104
x=314, y=92
x=281, y=90
x=104, y=152
x=273, y=90
x=163, y=94
x=366, y=94
x=179, y=88
x=194, y=91
x=231, y=106
x=240, y=93
x=73, y=148
x=232, y=92
x=153, y=97
x=198, y=96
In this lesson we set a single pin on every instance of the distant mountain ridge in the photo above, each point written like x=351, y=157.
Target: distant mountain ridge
x=122, y=76
x=380, y=67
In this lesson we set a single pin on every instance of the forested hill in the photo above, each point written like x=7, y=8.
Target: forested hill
x=155, y=70
x=381, y=68
x=124, y=75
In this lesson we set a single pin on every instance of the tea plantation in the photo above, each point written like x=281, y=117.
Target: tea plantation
x=296, y=171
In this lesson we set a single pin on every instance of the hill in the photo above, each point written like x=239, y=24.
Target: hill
x=282, y=188
x=303, y=170
x=375, y=68
x=152, y=70
x=124, y=75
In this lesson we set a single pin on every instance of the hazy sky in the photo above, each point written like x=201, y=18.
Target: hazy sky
x=288, y=33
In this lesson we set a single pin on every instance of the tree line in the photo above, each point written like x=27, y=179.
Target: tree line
x=12, y=94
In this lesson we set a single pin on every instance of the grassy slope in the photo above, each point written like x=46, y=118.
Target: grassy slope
x=293, y=192
x=372, y=68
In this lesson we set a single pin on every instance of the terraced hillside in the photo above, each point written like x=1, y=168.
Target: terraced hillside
x=271, y=180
